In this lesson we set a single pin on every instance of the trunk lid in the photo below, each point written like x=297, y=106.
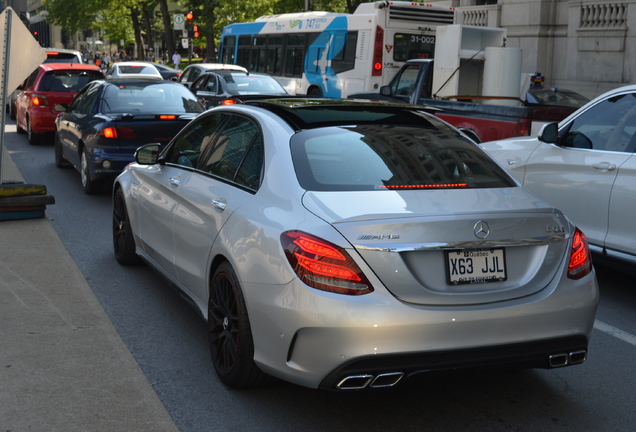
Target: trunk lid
x=137, y=129
x=420, y=243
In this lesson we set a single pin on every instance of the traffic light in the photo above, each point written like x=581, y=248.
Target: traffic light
x=195, y=31
x=189, y=22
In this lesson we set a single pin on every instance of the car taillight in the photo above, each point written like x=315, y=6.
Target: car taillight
x=167, y=117
x=228, y=102
x=118, y=132
x=39, y=100
x=580, y=258
x=323, y=265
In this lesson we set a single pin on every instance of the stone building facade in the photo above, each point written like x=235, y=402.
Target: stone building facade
x=586, y=46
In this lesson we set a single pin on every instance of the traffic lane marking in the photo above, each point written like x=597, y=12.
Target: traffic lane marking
x=616, y=332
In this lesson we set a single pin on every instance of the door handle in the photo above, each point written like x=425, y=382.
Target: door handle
x=219, y=203
x=175, y=181
x=604, y=166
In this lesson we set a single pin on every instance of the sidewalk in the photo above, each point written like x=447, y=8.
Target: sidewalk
x=63, y=367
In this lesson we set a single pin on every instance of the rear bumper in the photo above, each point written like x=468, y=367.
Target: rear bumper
x=386, y=371
x=42, y=120
x=319, y=340
x=107, y=163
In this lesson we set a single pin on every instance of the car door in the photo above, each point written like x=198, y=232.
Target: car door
x=577, y=174
x=71, y=124
x=227, y=175
x=158, y=194
x=22, y=101
x=621, y=236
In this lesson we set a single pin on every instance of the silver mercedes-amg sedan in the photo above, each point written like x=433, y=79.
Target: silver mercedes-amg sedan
x=347, y=245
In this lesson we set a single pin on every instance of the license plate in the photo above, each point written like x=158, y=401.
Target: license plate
x=476, y=266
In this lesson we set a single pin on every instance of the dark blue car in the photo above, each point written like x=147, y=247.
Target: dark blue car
x=109, y=119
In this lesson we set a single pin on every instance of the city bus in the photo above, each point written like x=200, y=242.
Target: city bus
x=334, y=54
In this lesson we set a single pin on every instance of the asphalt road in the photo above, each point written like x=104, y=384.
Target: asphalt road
x=168, y=340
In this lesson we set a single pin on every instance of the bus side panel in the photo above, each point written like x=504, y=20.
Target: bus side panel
x=324, y=48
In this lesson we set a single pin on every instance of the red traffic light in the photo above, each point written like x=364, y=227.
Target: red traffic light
x=190, y=16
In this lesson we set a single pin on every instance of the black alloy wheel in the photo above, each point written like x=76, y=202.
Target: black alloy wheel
x=229, y=333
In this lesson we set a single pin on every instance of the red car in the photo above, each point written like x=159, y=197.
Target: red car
x=49, y=84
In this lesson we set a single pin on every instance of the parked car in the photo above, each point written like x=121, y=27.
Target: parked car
x=100, y=131
x=49, y=84
x=553, y=104
x=167, y=72
x=192, y=72
x=133, y=69
x=62, y=55
x=53, y=55
x=347, y=245
x=586, y=166
x=227, y=87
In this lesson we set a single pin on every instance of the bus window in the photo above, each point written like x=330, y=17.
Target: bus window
x=258, y=54
x=227, y=55
x=346, y=59
x=244, y=50
x=413, y=46
x=294, y=55
x=274, y=53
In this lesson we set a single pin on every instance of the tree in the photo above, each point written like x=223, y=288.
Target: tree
x=167, y=26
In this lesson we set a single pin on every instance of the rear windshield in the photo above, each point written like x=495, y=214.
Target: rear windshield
x=391, y=157
x=557, y=98
x=67, y=81
x=59, y=57
x=150, y=98
x=149, y=70
x=243, y=84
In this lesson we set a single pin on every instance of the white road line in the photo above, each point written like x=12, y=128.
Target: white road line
x=616, y=332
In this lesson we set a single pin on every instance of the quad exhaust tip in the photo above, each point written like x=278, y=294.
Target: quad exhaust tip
x=565, y=359
x=359, y=382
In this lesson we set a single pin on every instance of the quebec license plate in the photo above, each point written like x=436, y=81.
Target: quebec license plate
x=476, y=266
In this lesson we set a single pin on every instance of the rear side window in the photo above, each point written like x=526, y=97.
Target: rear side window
x=67, y=81
x=391, y=157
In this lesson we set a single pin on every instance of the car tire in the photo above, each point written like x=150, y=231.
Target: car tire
x=34, y=139
x=90, y=186
x=19, y=130
x=229, y=333
x=60, y=162
x=123, y=240
x=314, y=92
x=12, y=111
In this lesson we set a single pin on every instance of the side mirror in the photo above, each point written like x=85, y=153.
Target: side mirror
x=549, y=133
x=385, y=90
x=147, y=154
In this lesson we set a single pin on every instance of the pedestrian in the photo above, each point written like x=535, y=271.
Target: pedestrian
x=106, y=61
x=176, y=59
